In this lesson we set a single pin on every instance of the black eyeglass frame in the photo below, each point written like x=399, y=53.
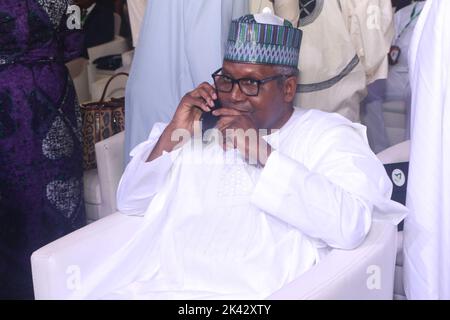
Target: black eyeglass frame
x=259, y=82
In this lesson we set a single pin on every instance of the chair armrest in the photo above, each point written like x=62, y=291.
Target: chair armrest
x=363, y=273
x=61, y=268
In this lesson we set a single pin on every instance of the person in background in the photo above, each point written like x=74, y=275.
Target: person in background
x=340, y=56
x=398, y=4
x=396, y=87
x=171, y=59
x=426, y=242
x=397, y=83
x=121, y=9
x=41, y=197
x=97, y=22
x=136, y=11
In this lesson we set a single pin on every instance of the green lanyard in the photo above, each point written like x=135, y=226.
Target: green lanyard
x=413, y=17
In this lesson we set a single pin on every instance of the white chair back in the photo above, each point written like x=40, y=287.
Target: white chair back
x=109, y=156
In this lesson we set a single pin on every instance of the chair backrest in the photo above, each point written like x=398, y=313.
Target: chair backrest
x=395, y=120
x=117, y=46
x=109, y=156
x=79, y=73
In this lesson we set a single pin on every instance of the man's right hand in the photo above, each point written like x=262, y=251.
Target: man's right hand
x=192, y=105
x=188, y=113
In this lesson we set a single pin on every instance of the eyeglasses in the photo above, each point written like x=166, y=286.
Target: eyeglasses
x=248, y=86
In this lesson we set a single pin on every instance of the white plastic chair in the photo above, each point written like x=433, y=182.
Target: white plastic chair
x=59, y=268
x=367, y=272
x=79, y=73
x=395, y=121
x=117, y=46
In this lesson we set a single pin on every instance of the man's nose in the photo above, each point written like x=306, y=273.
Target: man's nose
x=236, y=94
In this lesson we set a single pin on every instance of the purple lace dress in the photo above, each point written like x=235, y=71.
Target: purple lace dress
x=41, y=195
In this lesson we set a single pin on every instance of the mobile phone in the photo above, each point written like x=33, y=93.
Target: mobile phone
x=208, y=119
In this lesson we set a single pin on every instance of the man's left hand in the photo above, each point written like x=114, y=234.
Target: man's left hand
x=240, y=132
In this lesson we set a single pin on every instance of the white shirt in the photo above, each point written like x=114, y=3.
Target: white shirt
x=226, y=229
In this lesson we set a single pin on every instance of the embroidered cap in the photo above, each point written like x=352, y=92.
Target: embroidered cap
x=263, y=39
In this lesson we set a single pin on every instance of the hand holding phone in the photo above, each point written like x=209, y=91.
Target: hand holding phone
x=209, y=120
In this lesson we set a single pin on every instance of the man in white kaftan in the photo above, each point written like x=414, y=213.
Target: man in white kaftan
x=172, y=59
x=235, y=219
x=426, y=232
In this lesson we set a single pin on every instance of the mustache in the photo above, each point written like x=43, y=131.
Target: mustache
x=239, y=107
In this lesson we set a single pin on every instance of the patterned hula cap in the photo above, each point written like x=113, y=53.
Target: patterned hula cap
x=263, y=39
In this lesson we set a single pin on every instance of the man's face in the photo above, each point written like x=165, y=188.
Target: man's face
x=271, y=108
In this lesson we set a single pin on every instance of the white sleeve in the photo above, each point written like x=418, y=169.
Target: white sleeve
x=142, y=180
x=331, y=203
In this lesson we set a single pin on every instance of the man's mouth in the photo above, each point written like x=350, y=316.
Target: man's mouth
x=240, y=108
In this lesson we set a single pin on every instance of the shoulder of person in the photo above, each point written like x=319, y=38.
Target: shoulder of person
x=319, y=127
x=319, y=135
x=317, y=120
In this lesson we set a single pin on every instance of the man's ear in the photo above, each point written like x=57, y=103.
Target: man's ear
x=290, y=89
